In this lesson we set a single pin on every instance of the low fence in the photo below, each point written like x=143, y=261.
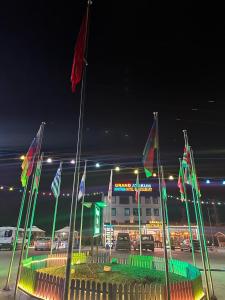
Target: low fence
x=51, y=287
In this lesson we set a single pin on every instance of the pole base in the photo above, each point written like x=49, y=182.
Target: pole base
x=6, y=288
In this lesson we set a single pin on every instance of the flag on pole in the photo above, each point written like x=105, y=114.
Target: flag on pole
x=82, y=186
x=180, y=184
x=110, y=188
x=149, y=150
x=79, y=52
x=56, y=183
x=28, y=162
x=137, y=189
x=37, y=176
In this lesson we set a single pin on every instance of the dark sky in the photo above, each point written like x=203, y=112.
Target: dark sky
x=143, y=56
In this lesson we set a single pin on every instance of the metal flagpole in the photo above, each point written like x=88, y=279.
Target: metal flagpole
x=55, y=213
x=6, y=288
x=162, y=210
x=167, y=217
x=76, y=171
x=210, y=225
x=139, y=211
x=198, y=221
x=82, y=208
x=28, y=215
x=202, y=226
x=188, y=214
x=110, y=214
x=33, y=210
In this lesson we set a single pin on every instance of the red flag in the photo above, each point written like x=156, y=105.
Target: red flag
x=79, y=52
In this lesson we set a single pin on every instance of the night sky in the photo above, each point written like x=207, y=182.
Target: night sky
x=142, y=57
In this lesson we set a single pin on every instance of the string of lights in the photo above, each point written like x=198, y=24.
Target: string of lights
x=67, y=195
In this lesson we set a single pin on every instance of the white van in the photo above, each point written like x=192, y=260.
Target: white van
x=7, y=237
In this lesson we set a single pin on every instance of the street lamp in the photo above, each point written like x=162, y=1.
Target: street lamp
x=154, y=174
x=97, y=165
x=171, y=177
x=117, y=169
x=208, y=181
x=72, y=161
x=49, y=160
x=136, y=171
x=22, y=157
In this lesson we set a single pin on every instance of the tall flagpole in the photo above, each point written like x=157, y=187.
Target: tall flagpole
x=202, y=227
x=76, y=168
x=166, y=215
x=188, y=214
x=28, y=214
x=6, y=288
x=198, y=222
x=82, y=208
x=162, y=211
x=55, y=213
x=34, y=208
x=139, y=210
x=110, y=213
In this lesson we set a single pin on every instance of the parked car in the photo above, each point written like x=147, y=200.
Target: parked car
x=43, y=243
x=186, y=246
x=147, y=243
x=123, y=241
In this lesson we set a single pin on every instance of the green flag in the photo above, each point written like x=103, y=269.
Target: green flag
x=37, y=176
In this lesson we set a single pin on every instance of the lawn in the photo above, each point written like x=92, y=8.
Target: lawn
x=118, y=274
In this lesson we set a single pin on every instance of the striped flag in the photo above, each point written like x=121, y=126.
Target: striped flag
x=37, y=175
x=56, y=183
x=110, y=188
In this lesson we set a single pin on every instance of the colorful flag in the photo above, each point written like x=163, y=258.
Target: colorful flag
x=164, y=192
x=180, y=184
x=37, y=175
x=79, y=52
x=149, y=150
x=28, y=162
x=110, y=188
x=137, y=189
x=56, y=183
x=82, y=185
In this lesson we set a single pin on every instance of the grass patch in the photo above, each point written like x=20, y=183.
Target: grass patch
x=119, y=274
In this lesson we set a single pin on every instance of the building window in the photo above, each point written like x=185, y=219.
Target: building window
x=148, y=212
x=133, y=200
x=147, y=200
x=135, y=211
x=155, y=201
x=113, y=212
x=124, y=200
x=113, y=199
x=126, y=212
x=156, y=212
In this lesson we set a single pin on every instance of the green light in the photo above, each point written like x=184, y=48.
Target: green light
x=101, y=204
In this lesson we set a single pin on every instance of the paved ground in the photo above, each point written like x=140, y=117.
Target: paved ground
x=217, y=260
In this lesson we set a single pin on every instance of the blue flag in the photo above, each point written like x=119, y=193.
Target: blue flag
x=57, y=182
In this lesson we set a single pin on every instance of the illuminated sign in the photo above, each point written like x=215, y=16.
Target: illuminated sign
x=97, y=221
x=154, y=224
x=131, y=187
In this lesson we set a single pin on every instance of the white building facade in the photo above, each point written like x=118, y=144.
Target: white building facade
x=124, y=210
